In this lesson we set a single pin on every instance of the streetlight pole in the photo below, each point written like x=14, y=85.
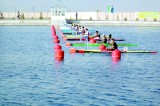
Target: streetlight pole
x=15, y=12
x=60, y=3
x=60, y=8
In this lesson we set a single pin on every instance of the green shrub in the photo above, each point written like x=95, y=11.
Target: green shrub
x=90, y=18
x=41, y=17
x=106, y=17
x=125, y=19
x=117, y=17
x=155, y=19
x=137, y=19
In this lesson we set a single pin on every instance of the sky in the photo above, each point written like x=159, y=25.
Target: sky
x=80, y=5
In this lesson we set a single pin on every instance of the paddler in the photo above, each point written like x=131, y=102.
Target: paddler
x=86, y=33
x=96, y=36
x=113, y=45
x=104, y=39
x=86, y=37
x=109, y=39
x=80, y=29
x=82, y=33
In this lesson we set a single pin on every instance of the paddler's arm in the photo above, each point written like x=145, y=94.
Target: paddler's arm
x=109, y=43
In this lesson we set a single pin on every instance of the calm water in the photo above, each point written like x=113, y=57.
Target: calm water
x=29, y=75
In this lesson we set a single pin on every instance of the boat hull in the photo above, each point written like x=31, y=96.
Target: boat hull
x=99, y=51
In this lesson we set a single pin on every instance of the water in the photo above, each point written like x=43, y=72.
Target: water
x=29, y=74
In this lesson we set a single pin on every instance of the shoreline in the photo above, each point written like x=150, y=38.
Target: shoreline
x=46, y=22
x=118, y=23
x=24, y=22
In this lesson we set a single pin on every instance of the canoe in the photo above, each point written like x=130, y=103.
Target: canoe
x=98, y=44
x=65, y=30
x=92, y=31
x=83, y=39
x=78, y=36
x=129, y=51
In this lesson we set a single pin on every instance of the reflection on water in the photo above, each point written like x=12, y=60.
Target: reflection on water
x=58, y=64
x=30, y=75
x=115, y=60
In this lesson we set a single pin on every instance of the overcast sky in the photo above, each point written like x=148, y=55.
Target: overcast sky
x=80, y=5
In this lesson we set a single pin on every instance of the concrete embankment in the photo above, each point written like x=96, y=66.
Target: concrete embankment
x=84, y=22
x=24, y=22
x=118, y=23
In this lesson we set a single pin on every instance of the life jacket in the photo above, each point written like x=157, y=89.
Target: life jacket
x=83, y=31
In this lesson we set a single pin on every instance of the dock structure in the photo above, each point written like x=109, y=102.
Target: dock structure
x=58, y=15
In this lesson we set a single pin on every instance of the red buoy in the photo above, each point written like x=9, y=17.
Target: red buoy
x=102, y=47
x=116, y=54
x=52, y=28
x=53, y=34
x=56, y=41
x=59, y=55
x=55, y=37
x=92, y=41
x=56, y=47
x=72, y=50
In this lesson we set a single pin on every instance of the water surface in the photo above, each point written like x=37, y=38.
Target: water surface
x=29, y=74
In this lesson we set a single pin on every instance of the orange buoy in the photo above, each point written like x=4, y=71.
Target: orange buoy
x=56, y=41
x=59, y=54
x=68, y=44
x=72, y=50
x=63, y=36
x=92, y=41
x=65, y=39
x=116, y=54
x=56, y=47
x=102, y=47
